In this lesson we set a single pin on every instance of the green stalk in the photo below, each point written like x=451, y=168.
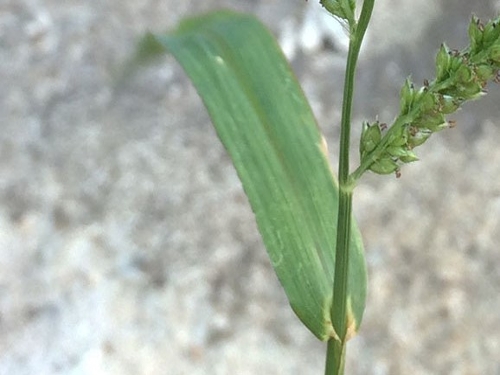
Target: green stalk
x=335, y=359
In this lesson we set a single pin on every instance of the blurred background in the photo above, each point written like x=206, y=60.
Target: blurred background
x=127, y=245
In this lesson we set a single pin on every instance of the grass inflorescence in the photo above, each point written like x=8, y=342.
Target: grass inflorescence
x=460, y=76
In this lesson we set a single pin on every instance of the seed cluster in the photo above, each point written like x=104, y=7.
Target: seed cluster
x=460, y=76
x=343, y=9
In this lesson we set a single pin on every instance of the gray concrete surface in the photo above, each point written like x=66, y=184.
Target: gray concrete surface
x=127, y=245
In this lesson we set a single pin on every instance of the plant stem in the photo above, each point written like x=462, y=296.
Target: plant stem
x=335, y=360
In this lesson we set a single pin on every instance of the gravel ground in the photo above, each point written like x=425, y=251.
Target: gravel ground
x=127, y=245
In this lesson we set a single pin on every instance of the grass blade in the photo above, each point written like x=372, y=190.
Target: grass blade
x=264, y=121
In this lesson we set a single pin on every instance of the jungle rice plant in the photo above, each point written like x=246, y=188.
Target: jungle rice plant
x=266, y=124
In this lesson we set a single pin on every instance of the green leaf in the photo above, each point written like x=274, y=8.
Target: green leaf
x=264, y=121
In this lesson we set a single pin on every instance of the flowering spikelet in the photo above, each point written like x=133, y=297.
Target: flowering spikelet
x=343, y=9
